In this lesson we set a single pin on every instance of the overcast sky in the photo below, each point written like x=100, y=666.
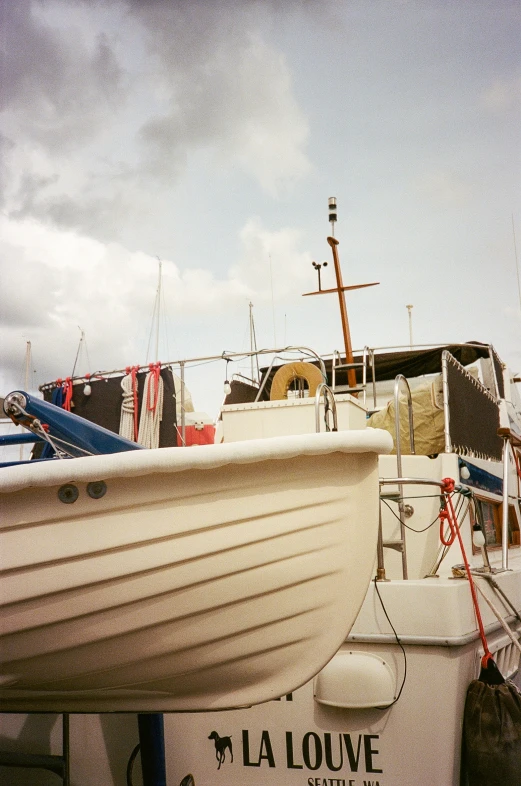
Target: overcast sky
x=210, y=134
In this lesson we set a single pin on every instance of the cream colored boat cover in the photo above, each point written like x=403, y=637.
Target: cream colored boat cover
x=427, y=415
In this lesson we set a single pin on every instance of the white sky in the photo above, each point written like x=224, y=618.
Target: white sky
x=211, y=134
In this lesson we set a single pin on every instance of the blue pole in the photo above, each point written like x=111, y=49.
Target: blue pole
x=152, y=748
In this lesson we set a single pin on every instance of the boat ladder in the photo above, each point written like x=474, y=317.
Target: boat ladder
x=366, y=362
x=398, y=543
x=43, y=761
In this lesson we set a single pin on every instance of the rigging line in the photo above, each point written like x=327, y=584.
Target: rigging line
x=272, y=303
x=158, y=306
x=77, y=351
x=517, y=261
x=399, y=644
x=166, y=322
x=406, y=525
x=152, y=327
x=499, y=591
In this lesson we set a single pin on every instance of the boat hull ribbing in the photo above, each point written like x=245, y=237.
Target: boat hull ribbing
x=203, y=579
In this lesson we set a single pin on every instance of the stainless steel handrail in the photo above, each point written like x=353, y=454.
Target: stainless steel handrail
x=400, y=482
x=292, y=349
x=399, y=380
x=367, y=353
x=325, y=392
x=504, y=523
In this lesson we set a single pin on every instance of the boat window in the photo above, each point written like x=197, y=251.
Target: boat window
x=491, y=514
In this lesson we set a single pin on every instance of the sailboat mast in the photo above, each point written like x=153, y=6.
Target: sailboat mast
x=251, y=339
x=253, y=347
x=28, y=364
x=158, y=309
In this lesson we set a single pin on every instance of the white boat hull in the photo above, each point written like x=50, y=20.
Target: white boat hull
x=211, y=578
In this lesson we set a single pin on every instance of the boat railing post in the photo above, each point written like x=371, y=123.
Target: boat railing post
x=183, y=415
x=364, y=376
x=399, y=380
x=336, y=354
x=504, y=524
x=380, y=560
x=373, y=374
x=446, y=413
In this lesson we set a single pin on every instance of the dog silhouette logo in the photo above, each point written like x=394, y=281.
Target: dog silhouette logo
x=222, y=744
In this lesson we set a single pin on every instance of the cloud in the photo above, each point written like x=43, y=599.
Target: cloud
x=106, y=103
x=444, y=188
x=57, y=282
x=58, y=86
x=502, y=94
x=270, y=261
x=236, y=100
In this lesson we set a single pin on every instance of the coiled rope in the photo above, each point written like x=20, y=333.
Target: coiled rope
x=151, y=408
x=128, y=424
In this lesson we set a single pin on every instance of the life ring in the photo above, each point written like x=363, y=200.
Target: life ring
x=291, y=371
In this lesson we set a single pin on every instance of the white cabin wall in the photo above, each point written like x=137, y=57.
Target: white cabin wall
x=285, y=418
x=421, y=547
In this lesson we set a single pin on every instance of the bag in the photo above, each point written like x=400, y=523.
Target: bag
x=491, y=743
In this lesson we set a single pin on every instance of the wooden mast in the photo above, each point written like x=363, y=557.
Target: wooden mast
x=341, y=289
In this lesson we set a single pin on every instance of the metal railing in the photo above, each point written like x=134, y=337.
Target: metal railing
x=398, y=382
x=325, y=393
x=367, y=359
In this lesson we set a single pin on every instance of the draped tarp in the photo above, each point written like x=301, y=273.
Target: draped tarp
x=428, y=421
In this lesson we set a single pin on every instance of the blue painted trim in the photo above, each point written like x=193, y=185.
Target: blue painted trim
x=481, y=479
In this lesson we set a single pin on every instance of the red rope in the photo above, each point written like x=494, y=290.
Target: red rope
x=155, y=370
x=67, y=393
x=450, y=515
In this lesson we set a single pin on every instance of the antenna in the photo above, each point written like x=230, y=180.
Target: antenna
x=340, y=289
x=317, y=268
x=409, y=309
x=332, y=214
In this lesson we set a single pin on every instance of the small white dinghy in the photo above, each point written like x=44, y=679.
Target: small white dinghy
x=179, y=579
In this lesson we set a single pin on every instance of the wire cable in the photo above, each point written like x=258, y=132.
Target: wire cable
x=406, y=525
x=130, y=765
x=399, y=644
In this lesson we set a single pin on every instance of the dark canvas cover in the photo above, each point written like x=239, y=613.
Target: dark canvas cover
x=103, y=405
